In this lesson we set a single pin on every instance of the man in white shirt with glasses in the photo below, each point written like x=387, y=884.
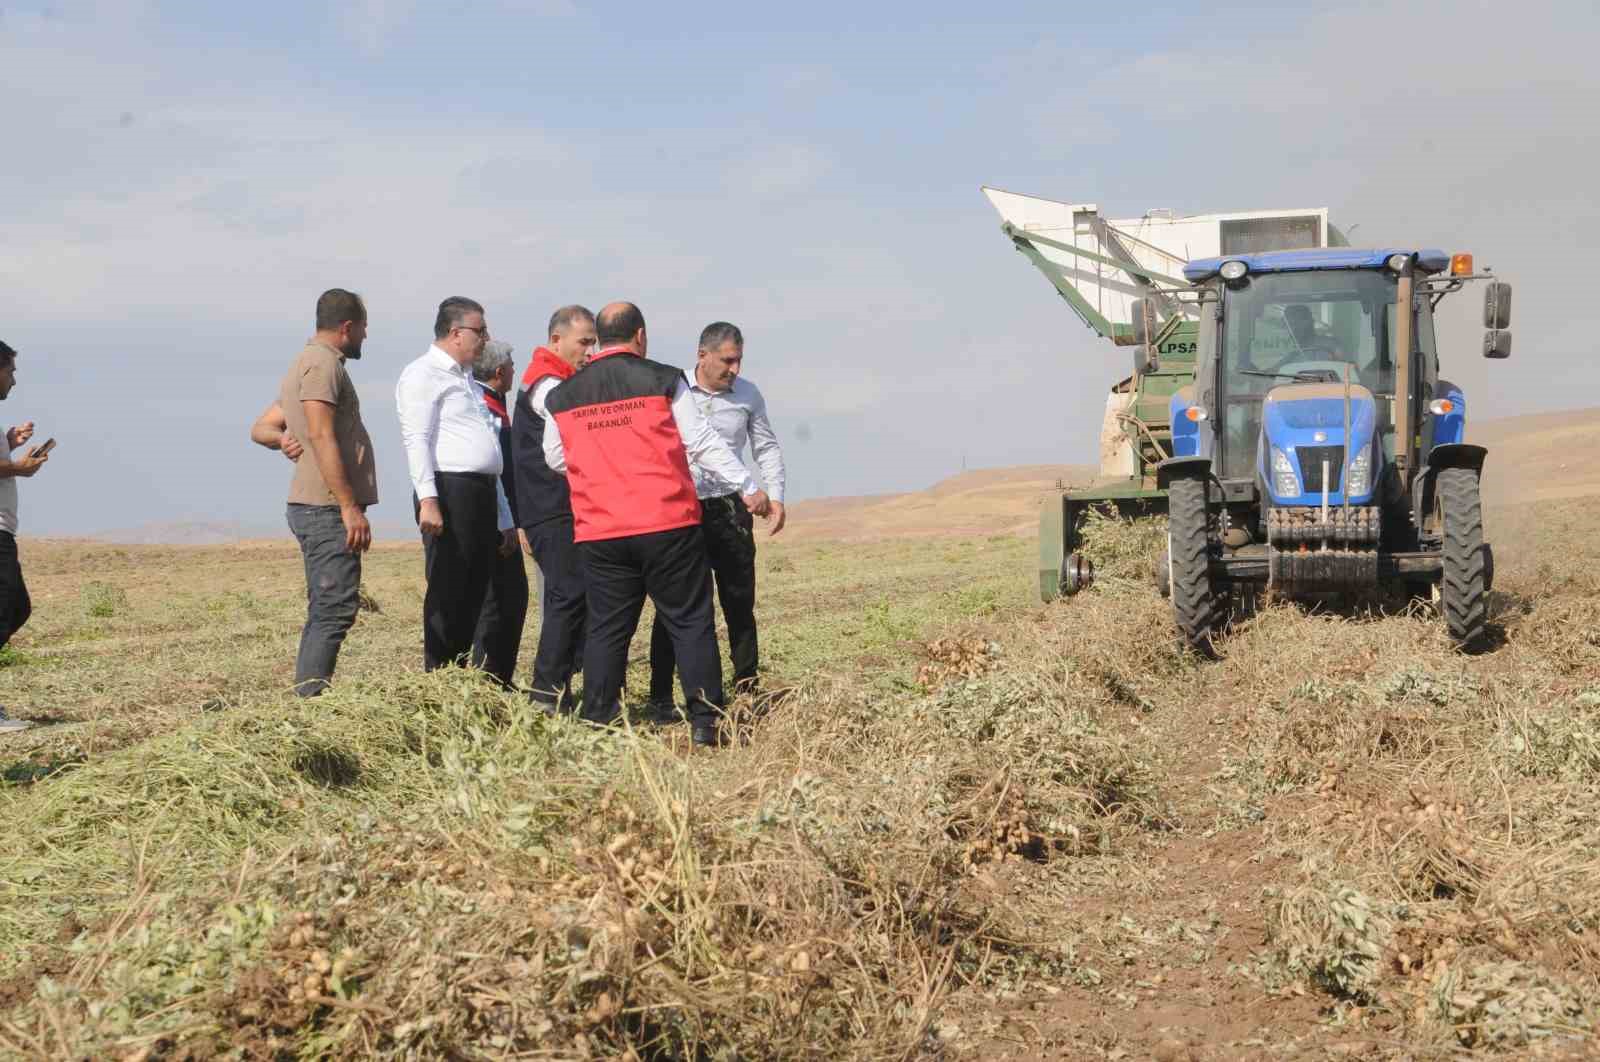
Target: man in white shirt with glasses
x=452, y=444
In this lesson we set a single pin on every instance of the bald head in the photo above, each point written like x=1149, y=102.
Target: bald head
x=620, y=324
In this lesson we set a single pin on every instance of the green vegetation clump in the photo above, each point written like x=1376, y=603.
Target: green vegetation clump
x=1335, y=935
x=1123, y=550
x=103, y=600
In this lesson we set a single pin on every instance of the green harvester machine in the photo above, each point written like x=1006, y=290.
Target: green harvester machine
x=1107, y=271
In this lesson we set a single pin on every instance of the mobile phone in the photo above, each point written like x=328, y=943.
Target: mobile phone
x=43, y=448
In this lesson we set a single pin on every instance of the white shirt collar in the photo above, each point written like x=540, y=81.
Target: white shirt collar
x=695, y=384
x=443, y=360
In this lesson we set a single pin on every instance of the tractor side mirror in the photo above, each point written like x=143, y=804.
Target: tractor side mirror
x=1144, y=313
x=1497, y=305
x=1497, y=343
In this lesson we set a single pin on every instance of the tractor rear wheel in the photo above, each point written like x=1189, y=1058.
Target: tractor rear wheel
x=1464, y=591
x=1194, y=601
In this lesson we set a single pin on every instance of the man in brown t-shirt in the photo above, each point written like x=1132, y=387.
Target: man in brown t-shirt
x=316, y=423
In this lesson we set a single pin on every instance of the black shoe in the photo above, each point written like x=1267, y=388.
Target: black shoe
x=662, y=712
x=600, y=719
x=556, y=703
x=708, y=735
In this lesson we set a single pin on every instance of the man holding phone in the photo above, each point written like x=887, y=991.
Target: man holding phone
x=15, y=607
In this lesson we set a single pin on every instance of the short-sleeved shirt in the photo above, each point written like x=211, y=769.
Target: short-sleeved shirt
x=318, y=375
x=8, y=503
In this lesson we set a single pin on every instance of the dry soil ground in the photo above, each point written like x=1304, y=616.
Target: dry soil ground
x=976, y=827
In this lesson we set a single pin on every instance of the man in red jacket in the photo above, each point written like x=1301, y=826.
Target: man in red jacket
x=544, y=509
x=626, y=429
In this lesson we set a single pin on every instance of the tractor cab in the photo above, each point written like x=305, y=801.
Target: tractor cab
x=1298, y=368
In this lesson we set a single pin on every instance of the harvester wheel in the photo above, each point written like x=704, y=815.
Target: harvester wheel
x=1194, y=602
x=1465, y=588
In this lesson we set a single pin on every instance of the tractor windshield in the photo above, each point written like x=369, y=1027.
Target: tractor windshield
x=1282, y=328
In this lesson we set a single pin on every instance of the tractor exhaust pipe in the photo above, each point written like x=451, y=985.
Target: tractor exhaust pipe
x=1344, y=477
x=1402, y=376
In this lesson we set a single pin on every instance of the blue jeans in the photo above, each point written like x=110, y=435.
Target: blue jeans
x=333, y=593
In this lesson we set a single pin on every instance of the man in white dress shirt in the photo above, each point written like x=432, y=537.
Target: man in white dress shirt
x=452, y=444
x=736, y=409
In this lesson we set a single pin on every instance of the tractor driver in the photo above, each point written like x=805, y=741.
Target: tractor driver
x=1303, y=330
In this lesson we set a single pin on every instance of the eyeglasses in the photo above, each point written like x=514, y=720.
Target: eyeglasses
x=481, y=330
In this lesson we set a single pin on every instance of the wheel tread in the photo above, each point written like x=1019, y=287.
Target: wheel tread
x=1194, y=602
x=1464, y=588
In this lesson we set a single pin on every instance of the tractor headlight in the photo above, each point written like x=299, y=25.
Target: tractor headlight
x=1285, y=483
x=1397, y=262
x=1233, y=270
x=1358, y=479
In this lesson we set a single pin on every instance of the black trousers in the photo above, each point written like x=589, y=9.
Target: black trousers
x=505, y=608
x=458, y=565
x=669, y=566
x=563, y=608
x=729, y=532
x=15, y=605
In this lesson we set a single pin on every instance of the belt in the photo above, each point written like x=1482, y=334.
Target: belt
x=481, y=477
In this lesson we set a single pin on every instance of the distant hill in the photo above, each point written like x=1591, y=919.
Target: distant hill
x=183, y=533
x=1536, y=457
x=1540, y=456
x=218, y=533
x=989, y=501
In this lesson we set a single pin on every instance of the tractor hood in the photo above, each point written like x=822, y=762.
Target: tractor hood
x=1302, y=428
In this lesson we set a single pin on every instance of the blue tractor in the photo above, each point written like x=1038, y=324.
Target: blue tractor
x=1319, y=451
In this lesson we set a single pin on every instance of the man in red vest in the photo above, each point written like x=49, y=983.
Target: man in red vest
x=626, y=429
x=544, y=509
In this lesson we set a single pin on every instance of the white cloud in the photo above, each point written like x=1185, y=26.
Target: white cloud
x=777, y=170
x=543, y=8
x=373, y=25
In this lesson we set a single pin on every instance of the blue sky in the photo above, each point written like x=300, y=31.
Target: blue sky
x=183, y=179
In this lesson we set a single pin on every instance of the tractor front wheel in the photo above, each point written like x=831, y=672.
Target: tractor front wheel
x=1194, y=601
x=1464, y=591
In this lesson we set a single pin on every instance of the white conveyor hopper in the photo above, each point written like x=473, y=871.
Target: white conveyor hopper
x=1100, y=265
